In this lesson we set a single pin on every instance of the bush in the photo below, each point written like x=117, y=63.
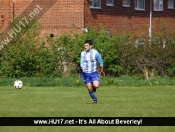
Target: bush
x=121, y=53
x=26, y=57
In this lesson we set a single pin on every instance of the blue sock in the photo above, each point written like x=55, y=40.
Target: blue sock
x=92, y=96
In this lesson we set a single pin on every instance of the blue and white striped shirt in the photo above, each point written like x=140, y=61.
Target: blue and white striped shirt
x=90, y=60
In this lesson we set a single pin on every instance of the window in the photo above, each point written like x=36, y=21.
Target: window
x=158, y=5
x=95, y=4
x=126, y=2
x=139, y=42
x=140, y=4
x=110, y=3
x=171, y=4
x=160, y=42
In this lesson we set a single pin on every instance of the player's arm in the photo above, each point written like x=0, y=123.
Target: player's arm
x=82, y=63
x=99, y=59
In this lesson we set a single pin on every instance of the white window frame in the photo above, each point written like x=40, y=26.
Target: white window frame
x=139, y=42
x=92, y=4
x=158, y=5
x=126, y=5
x=137, y=5
x=109, y=4
x=172, y=7
x=159, y=41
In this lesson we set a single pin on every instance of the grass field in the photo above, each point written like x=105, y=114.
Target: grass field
x=75, y=101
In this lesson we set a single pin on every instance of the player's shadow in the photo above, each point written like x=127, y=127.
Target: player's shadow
x=93, y=103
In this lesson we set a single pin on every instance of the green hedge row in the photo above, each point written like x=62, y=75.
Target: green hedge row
x=123, y=54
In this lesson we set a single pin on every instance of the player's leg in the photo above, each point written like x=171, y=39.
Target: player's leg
x=96, y=84
x=91, y=93
x=89, y=87
x=95, y=81
x=87, y=81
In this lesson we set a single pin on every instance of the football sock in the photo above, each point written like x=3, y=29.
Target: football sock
x=92, y=96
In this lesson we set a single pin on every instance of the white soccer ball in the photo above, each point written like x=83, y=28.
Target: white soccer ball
x=18, y=84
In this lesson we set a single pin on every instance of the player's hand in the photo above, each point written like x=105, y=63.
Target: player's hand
x=103, y=74
x=84, y=69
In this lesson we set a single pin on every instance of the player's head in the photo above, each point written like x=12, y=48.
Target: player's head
x=88, y=45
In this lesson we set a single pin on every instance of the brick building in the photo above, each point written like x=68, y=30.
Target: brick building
x=124, y=15
x=130, y=15
x=57, y=20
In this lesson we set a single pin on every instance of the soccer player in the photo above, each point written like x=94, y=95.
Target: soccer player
x=88, y=62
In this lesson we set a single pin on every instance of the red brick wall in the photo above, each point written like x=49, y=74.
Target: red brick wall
x=64, y=13
x=127, y=19
x=57, y=20
x=6, y=10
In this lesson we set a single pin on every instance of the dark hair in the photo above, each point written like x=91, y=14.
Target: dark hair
x=89, y=42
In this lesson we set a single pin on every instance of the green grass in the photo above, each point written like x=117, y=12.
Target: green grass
x=75, y=101
x=76, y=81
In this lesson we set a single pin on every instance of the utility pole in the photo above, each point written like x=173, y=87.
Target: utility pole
x=14, y=8
x=150, y=25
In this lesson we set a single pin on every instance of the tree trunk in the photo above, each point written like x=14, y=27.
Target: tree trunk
x=151, y=74
x=145, y=71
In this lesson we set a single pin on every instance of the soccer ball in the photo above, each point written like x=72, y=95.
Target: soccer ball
x=18, y=84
